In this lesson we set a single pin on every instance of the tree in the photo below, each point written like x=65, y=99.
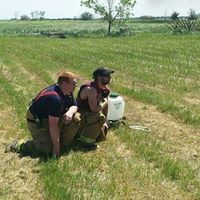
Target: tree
x=86, y=16
x=37, y=15
x=193, y=15
x=110, y=10
x=174, y=15
x=24, y=17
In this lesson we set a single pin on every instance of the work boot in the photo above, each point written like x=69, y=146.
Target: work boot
x=88, y=146
x=102, y=135
x=14, y=146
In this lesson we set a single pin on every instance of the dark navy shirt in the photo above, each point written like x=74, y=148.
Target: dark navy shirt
x=51, y=104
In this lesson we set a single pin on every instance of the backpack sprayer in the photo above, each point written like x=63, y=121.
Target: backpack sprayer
x=116, y=106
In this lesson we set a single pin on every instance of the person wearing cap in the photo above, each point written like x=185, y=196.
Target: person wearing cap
x=93, y=106
x=52, y=119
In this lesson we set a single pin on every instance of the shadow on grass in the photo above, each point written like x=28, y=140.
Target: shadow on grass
x=75, y=146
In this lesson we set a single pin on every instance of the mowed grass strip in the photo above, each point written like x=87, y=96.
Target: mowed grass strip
x=166, y=103
x=154, y=151
x=14, y=100
x=9, y=123
x=180, y=141
x=18, y=178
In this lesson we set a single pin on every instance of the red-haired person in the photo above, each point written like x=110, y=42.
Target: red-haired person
x=52, y=119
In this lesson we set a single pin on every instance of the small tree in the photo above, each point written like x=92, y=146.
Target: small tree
x=24, y=17
x=174, y=15
x=110, y=10
x=86, y=16
x=37, y=15
x=192, y=15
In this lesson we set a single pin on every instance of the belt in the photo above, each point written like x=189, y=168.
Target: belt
x=31, y=120
x=36, y=121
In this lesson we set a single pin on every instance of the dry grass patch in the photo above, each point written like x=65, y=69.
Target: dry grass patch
x=27, y=78
x=18, y=177
x=181, y=141
x=192, y=99
x=9, y=125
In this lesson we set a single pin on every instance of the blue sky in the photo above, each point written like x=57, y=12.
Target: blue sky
x=71, y=8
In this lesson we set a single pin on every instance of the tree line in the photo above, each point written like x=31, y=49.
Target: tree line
x=114, y=12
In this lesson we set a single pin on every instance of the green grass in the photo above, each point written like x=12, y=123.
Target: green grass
x=152, y=150
x=158, y=69
x=76, y=28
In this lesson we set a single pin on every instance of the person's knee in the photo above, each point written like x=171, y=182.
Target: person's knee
x=102, y=119
x=77, y=118
x=105, y=109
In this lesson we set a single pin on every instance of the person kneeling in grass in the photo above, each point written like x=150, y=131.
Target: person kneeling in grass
x=52, y=119
x=93, y=106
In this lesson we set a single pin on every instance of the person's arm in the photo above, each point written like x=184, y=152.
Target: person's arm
x=55, y=135
x=92, y=100
x=67, y=117
x=94, y=107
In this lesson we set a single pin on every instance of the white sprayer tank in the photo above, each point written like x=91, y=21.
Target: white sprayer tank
x=116, y=107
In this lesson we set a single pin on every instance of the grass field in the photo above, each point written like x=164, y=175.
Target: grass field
x=78, y=28
x=159, y=77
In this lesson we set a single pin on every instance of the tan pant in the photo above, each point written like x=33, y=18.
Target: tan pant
x=69, y=131
x=91, y=126
x=41, y=143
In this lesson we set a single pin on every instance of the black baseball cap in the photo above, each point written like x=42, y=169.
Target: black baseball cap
x=102, y=71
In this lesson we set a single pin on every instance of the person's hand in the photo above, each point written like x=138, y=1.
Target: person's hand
x=105, y=100
x=105, y=126
x=67, y=118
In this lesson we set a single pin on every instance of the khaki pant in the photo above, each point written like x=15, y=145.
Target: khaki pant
x=91, y=126
x=41, y=143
